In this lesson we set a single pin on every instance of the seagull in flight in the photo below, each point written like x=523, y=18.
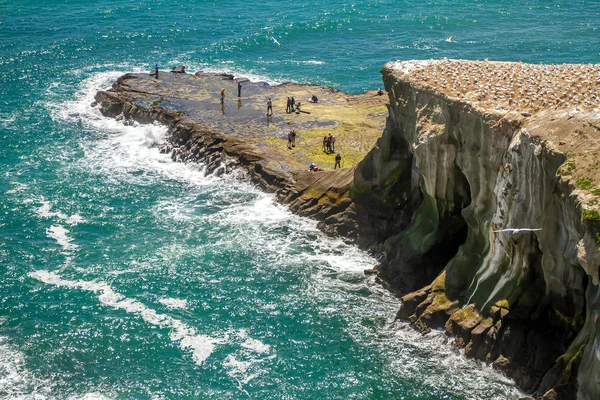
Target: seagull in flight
x=517, y=230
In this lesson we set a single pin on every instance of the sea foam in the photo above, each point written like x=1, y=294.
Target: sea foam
x=61, y=235
x=122, y=153
x=16, y=381
x=201, y=346
x=173, y=303
x=45, y=211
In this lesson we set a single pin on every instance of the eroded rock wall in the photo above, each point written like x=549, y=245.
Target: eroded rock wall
x=474, y=219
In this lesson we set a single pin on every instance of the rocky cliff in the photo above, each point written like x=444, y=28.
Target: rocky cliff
x=484, y=201
x=480, y=198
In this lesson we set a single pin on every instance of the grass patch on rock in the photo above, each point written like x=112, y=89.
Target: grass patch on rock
x=584, y=183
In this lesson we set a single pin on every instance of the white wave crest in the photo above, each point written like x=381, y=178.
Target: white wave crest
x=244, y=365
x=16, y=381
x=436, y=353
x=117, y=151
x=312, y=62
x=45, y=211
x=240, y=72
x=252, y=344
x=89, y=396
x=173, y=303
x=60, y=234
x=262, y=218
x=201, y=346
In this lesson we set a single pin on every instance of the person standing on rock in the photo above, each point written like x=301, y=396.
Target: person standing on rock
x=239, y=89
x=156, y=71
x=288, y=105
x=338, y=160
x=222, y=95
x=292, y=104
x=293, y=133
x=269, y=107
x=329, y=143
x=290, y=140
x=332, y=143
x=325, y=144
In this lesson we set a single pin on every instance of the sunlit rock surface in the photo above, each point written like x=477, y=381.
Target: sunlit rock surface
x=484, y=190
x=237, y=134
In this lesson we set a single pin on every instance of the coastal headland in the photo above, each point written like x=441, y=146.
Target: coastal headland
x=239, y=133
x=480, y=198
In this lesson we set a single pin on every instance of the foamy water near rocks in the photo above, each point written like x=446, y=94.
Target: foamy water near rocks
x=480, y=199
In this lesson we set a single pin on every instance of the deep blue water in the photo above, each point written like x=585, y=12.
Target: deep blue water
x=124, y=275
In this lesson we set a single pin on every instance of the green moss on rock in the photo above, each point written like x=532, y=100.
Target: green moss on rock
x=591, y=215
x=584, y=183
x=572, y=357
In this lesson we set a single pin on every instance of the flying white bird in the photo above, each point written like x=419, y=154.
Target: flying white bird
x=517, y=230
x=276, y=42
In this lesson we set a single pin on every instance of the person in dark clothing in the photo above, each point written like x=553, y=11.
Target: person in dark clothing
x=239, y=89
x=269, y=107
x=156, y=71
x=314, y=99
x=329, y=144
x=288, y=105
x=332, y=140
x=338, y=160
x=324, y=144
x=222, y=96
x=293, y=133
x=290, y=140
x=292, y=104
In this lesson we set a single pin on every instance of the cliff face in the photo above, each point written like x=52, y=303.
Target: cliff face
x=465, y=197
x=495, y=245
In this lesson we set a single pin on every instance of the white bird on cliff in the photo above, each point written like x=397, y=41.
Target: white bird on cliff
x=517, y=230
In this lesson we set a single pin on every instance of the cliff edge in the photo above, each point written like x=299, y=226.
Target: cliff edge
x=483, y=191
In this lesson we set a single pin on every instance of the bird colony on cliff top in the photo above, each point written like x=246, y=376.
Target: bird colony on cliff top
x=512, y=85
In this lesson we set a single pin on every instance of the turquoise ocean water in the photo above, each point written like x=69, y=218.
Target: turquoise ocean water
x=124, y=275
